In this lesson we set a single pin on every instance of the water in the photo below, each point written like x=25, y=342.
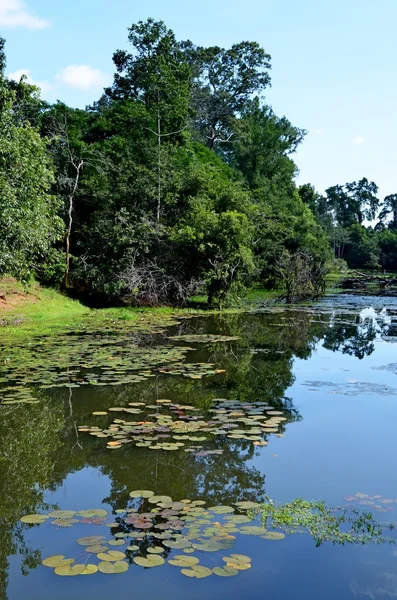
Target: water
x=330, y=370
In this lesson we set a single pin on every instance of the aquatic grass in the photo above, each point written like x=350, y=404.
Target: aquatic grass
x=324, y=523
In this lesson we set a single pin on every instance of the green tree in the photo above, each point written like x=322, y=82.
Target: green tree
x=353, y=202
x=28, y=219
x=389, y=209
x=224, y=82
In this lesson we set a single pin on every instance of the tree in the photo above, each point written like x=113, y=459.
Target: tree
x=224, y=82
x=156, y=74
x=354, y=202
x=263, y=144
x=28, y=212
x=389, y=208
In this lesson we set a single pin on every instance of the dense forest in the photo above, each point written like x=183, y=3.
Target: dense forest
x=179, y=180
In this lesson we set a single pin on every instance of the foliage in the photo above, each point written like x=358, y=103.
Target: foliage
x=324, y=523
x=302, y=275
x=179, y=180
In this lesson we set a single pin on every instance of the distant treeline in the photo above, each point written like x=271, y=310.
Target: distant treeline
x=178, y=180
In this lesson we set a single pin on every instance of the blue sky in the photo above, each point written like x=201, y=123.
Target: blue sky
x=334, y=65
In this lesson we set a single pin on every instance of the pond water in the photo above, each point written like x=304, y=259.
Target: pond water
x=318, y=384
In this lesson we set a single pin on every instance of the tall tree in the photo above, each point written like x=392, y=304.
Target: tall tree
x=353, y=202
x=389, y=209
x=224, y=82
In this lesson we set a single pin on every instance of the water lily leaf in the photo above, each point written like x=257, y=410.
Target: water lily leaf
x=53, y=561
x=120, y=566
x=155, y=550
x=96, y=549
x=273, y=535
x=253, y=530
x=157, y=499
x=239, y=558
x=62, y=514
x=69, y=571
x=141, y=494
x=225, y=571
x=133, y=548
x=150, y=561
x=91, y=540
x=184, y=561
x=116, y=542
x=100, y=413
x=34, y=519
x=156, y=560
x=197, y=572
x=93, y=512
x=111, y=556
x=238, y=565
x=221, y=510
x=178, y=544
x=63, y=523
x=90, y=569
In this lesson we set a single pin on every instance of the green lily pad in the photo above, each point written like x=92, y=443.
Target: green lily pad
x=34, y=519
x=141, y=494
x=93, y=512
x=273, y=535
x=197, y=572
x=253, y=530
x=120, y=566
x=155, y=550
x=69, y=571
x=225, y=571
x=184, y=561
x=89, y=569
x=157, y=499
x=111, y=556
x=90, y=540
x=53, y=561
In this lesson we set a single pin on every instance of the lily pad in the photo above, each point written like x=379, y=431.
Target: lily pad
x=141, y=494
x=120, y=566
x=197, y=572
x=225, y=571
x=53, y=561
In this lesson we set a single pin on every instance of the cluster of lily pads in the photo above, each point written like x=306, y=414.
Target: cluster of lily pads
x=75, y=360
x=377, y=502
x=151, y=528
x=173, y=426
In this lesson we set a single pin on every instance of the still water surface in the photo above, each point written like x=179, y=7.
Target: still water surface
x=331, y=369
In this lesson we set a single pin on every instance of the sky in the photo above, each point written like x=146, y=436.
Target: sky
x=334, y=65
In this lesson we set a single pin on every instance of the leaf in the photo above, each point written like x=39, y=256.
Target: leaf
x=157, y=499
x=184, y=561
x=93, y=512
x=225, y=571
x=120, y=566
x=53, y=561
x=90, y=569
x=155, y=550
x=197, y=572
x=34, y=519
x=62, y=514
x=111, y=556
x=91, y=540
x=273, y=535
x=141, y=494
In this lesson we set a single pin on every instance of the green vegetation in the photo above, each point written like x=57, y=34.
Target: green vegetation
x=324, y=523
x=178, y=182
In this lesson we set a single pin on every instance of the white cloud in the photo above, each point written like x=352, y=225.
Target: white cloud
x=82, y=77
x=14, y=13
x=45, y=86
x=358, y=140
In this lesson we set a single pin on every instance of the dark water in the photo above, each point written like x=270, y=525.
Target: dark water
x=332, y=369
